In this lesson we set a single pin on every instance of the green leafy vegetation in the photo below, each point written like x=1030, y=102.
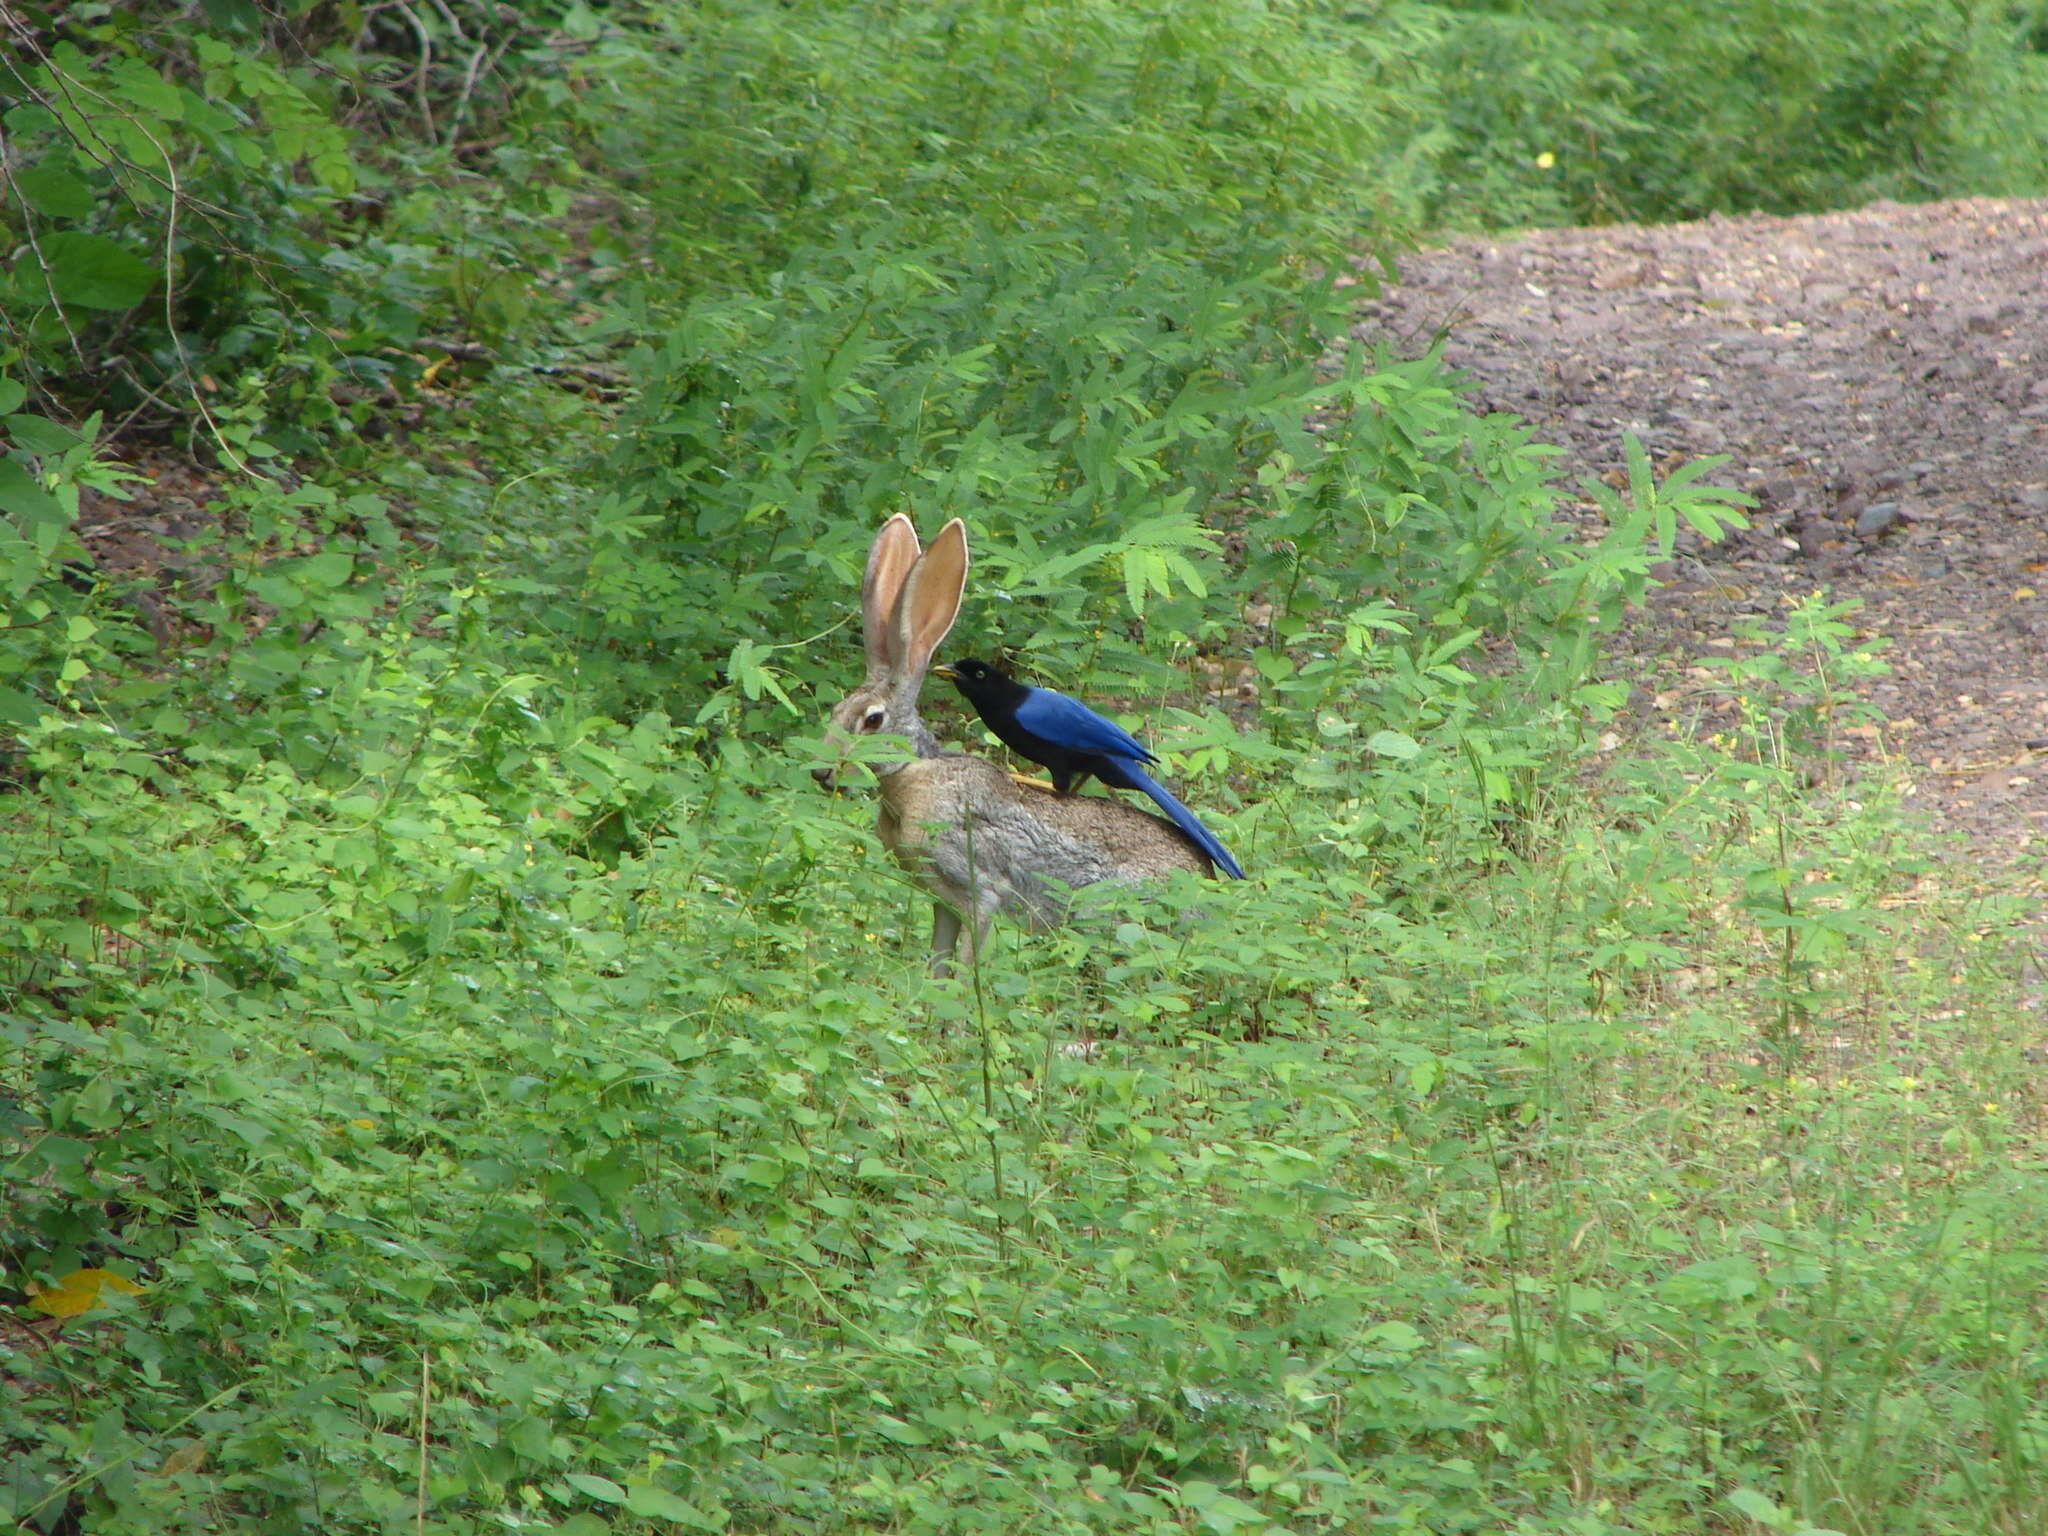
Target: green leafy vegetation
x=1634, y=110
x=457, y=1071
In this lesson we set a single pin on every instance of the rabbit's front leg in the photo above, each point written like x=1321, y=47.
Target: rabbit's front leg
x=945, y=938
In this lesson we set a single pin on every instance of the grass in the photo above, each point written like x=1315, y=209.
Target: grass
x=1508, y=1203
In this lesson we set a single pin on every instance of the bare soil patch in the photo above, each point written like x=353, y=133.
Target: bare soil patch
x=1880, y=381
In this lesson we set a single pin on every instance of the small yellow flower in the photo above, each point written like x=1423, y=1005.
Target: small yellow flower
x=1545, y=161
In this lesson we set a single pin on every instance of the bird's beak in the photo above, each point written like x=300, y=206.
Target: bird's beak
x=945, y=669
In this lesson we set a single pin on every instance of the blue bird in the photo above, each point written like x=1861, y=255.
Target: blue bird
x=1073, y=743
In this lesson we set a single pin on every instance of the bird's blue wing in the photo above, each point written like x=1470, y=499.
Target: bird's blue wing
x=1069, y=723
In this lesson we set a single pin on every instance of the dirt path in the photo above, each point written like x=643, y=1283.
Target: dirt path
x=1884, y=369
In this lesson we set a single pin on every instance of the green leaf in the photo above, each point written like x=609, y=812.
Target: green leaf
x=746, y=668
x=38, y=434
x=1142, y=569
x=652, y=1503
x=53, y=190
x=329, y=568
x=95, y=273
x=1399, y=1337
x=1750, y=1503
x=600, y=1488
x=20, y=495
x=12, y=393
x=233, y=15
x=1225, y=1514
x=889, y=1427
x=149, y=91
x=1393, y=744
x=29, y=120
x=17, y=709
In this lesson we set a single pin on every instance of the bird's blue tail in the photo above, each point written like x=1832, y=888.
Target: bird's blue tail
x=1136, y=778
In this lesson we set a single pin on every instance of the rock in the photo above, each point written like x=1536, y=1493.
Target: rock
x=1779, y=491
x=1631, y=275
x=1876, y=518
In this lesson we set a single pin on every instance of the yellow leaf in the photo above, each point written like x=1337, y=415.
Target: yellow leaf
x=78, y=1292
x=2019, y=592
x=189, y=1457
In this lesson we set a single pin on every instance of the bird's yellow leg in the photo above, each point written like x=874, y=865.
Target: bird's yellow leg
x=1027, y=782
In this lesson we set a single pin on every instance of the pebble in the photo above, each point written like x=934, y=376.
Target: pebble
x=1876, y=518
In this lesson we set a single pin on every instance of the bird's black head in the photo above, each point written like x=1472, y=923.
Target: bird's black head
x=968, y=672
x=978, y=681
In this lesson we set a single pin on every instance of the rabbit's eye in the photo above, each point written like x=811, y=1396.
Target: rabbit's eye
x=872, y=720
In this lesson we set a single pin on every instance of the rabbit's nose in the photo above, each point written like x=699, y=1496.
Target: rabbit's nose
x=827, y=776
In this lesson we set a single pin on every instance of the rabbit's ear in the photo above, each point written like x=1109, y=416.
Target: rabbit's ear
x=889, y=561
x=930, y=601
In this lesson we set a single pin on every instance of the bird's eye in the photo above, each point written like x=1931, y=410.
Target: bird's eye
x=872, y=720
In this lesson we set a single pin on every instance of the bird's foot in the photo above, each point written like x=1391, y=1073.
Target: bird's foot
x=1025, y=781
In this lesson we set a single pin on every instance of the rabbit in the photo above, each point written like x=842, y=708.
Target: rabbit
x=978, y=838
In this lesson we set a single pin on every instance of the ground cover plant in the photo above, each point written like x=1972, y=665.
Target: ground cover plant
x=1647, y=112
x=458, y=1072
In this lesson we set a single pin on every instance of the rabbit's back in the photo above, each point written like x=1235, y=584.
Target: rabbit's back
x=1001, y=845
